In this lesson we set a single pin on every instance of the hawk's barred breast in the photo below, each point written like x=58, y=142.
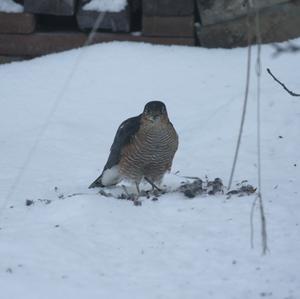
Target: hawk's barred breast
x=151, y=152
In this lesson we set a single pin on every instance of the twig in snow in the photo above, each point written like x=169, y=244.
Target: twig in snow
x=242, y=190
x=283, y=85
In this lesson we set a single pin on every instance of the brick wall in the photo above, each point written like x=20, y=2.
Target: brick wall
x=48, y=26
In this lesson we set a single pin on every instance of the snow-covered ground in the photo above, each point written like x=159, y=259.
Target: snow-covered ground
x=90, y=246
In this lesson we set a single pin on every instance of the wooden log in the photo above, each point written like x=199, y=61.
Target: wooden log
x=38, y=44
x=168, y=26
x=278, y=23
x=217, y=11
x=168, y=7
x=112, y=21
x=51, y=7
x=17, y=23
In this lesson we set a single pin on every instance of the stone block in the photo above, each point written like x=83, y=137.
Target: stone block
x=217, y=11
x=278, y=23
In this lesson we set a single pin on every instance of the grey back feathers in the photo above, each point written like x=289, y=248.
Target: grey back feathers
x=126, y=131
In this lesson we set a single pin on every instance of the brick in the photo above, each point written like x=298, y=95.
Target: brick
x=38, y=44
x=278, y=23
x=17, y=23
x=51, y=7
x=168, y=7
x=168, y=26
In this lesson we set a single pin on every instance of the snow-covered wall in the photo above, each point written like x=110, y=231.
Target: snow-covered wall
x=106, y=5
x=10, y=6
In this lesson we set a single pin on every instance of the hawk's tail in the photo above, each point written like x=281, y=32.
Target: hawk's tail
x=109, y=177
x=97, y=183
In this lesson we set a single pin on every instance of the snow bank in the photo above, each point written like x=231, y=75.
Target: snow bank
x=90, y=246
x=106, y=5
x=10, y=6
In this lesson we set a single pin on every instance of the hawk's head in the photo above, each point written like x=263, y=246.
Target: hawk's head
x=155, y=111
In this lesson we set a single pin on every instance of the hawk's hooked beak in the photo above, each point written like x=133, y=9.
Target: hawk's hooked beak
x=154, y=118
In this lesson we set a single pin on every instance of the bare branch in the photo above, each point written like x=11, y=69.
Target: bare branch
x=285, y=88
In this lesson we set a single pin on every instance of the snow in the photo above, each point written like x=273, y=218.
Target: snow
x=10, y=6
x=90, y=246
x=106, y=5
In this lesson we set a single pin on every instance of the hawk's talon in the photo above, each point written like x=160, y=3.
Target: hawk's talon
x=152, y=184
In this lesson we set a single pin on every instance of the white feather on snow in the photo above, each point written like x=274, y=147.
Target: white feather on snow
x=90, y=246
x=10, y=6
x=106, y=5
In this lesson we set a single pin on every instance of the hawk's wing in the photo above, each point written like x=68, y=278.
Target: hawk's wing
x=126, y=131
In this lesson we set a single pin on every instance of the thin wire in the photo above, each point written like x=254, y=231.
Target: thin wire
x=53, y=109
x=258, y=94
x=251, y=222
x=259, y=197
x=244, y=105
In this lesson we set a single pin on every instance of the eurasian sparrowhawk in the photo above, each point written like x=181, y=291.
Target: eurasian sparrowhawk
x=143, y=148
